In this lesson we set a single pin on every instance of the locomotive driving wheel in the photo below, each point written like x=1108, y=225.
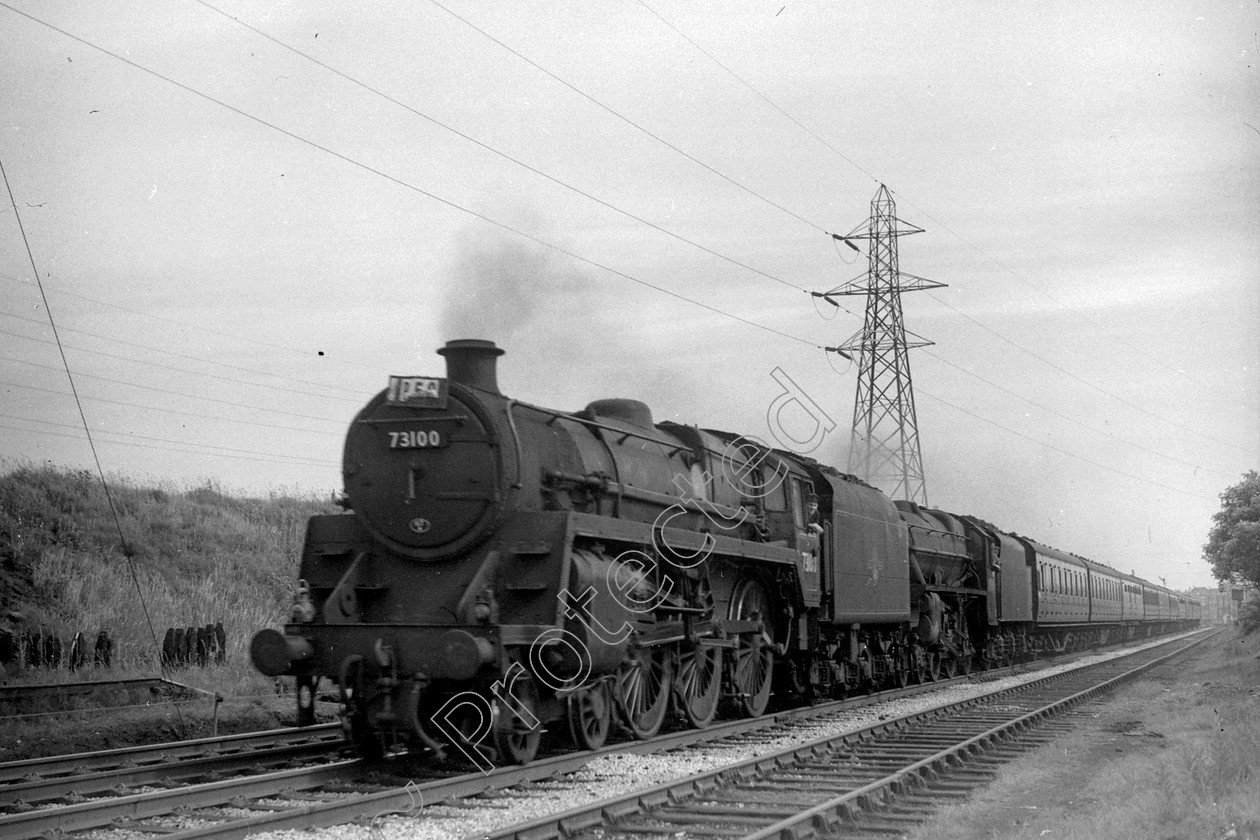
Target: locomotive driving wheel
x=589, y=713
x=752, y=661
x=517, y=730
x=698, y=684
x=643, y=689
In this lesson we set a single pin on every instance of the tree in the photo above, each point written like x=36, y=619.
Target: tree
x=1233, y=546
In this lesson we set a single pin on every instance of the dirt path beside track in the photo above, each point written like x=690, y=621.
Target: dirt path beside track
x=1173, y=755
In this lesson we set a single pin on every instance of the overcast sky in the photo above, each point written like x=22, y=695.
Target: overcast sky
x=247, y=216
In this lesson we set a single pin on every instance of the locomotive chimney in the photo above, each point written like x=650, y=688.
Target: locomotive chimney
x=471, y=362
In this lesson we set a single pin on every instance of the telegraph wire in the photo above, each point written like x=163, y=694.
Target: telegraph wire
x=444, y=201
x=623, y=118
x=164, y=351
x=1084, y=381
x=197, y=415
x=811, y=224
x=1081, y=458
x=501, y=154
x=1072, y=420
x=82, y=375
x=407, y=185
x=957, y=236
x=222, y=451
x=190, y=324
x=175, y=369
x=759, y=94
x=1066, y=308
x=109, y=496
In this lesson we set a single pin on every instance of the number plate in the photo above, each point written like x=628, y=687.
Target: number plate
x=417, y=391
x=417, y=439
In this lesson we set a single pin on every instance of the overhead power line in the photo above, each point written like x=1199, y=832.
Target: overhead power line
x=1091, y=385
x=176, y=369
x=131, y=440
x=358, y=395
x=288, y=427
x=87, y=430
x=759, y=94
x=194, y=325
x=1076, y=422
x=407, y=185
x=900, y=195
x=1170, y=488
x=636, y=126
x=187, y=396
x=495, y=151
x=386, y=176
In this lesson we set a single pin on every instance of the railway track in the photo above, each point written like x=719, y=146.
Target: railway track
x=874, y=782
x=178, y=790
x=45, y=782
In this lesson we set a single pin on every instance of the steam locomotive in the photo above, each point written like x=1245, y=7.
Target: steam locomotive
x=504, y=570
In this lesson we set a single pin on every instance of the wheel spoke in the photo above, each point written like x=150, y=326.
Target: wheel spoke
x=517, y=729
x=643, y=687
x=698, y=685
x=752, y=662
x=589, y=716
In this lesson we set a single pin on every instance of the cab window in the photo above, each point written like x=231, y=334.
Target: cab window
x=775, y=499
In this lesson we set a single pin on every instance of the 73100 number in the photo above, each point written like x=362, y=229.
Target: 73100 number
x=416, y=439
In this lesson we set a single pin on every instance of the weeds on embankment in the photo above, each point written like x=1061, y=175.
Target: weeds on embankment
x=198, y=555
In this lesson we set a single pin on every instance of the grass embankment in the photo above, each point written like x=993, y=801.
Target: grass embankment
x=198, y=556
x=1167, y=758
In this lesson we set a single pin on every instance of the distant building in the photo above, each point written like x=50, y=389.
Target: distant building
x=1220, y=606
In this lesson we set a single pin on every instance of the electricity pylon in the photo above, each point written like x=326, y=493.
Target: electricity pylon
x=884, y=445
